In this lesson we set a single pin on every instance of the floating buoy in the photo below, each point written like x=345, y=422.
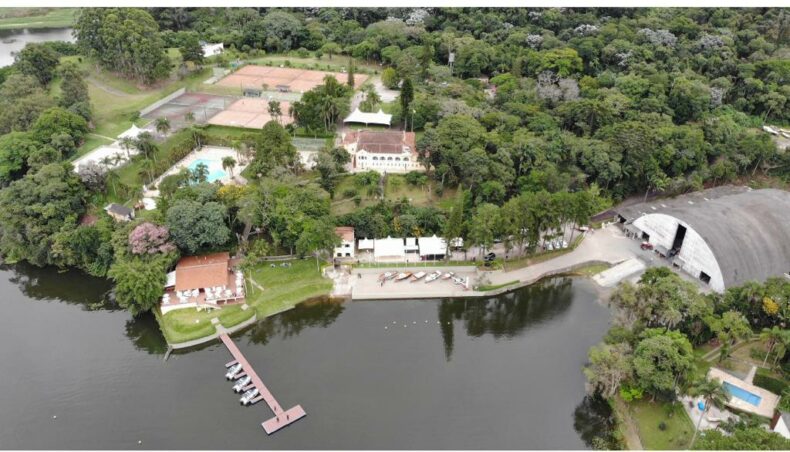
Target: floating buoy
x=405, y=326
x=139, y=442
x=414, y=323
x=426, y=321
x=54, y=417
x=394, y=323
x=438, y=322
x=386, y=327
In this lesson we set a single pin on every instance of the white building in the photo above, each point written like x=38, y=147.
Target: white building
x=346, y=248
x=366, y=244
x=432, y=248
x=389, y=250
x=360, y=117
x=209, y=50
x=724, y=236
x=382, y=151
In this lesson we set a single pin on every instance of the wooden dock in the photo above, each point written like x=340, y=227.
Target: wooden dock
x=281, y=418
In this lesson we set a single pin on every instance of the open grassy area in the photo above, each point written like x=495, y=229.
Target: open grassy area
x=284, y=288
x=488, y=287
x=395, y=188
x=591, y=269
x=18, y=18
x=336, y=64
x=651, y=416
x=539, y=257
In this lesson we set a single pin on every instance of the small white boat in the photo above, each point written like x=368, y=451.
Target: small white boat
x=458, y=280
x=387, y=276
x=448, y=275
x=417, y=276
x=241, y=383
x=233, y=371
x=433, y=276
x=564, y=244
x=402, y=276
x=247, y=397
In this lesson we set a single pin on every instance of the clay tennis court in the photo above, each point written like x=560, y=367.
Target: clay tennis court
x=296, y=80
x=250, y=113
x=202, y=106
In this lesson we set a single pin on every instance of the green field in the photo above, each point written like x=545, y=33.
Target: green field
x=19, y=18
x=649, y=417
x=284, y=288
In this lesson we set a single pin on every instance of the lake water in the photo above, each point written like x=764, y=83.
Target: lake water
x=499, y=373
x=15, y=40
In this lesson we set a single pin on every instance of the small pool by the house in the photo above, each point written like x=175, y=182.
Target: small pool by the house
x=742, y=394
x=215, y=170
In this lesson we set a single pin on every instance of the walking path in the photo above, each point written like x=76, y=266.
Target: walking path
x=281, y=418
x=107, y=89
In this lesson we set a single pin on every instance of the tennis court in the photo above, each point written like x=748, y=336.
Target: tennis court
x=280, y=78
x=202, y=106
x=249, y=113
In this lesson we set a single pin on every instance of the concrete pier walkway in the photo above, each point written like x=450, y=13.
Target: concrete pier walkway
x=281, y=418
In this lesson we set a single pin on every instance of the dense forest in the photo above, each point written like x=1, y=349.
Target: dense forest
x=536, y=118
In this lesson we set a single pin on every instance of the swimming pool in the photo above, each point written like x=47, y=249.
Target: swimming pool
x=215, y=171
x=742, y=394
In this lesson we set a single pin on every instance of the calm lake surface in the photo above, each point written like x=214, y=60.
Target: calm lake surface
x=15, y=40
x=499, y=373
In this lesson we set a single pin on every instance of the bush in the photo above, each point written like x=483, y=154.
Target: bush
x=349, y=193
x=302, y=52
x=768, y=382
x=662, y=426
x=357, y=200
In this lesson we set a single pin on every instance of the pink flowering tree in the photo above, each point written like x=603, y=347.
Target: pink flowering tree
x=148, y=238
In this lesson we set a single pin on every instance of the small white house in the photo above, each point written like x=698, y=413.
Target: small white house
x=346, y=248
x=209, y=50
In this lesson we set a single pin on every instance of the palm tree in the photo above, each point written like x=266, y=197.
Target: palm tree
x=106, y=161
x=162, y=125
x=146, y=146
x=772, y=336
x=127, y=143
x=113, y=178
x=228, y=163
x=712, y=393
x=147, y=166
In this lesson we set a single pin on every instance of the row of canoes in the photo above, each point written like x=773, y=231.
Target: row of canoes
x=429, y=277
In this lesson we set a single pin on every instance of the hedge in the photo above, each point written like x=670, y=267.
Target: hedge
x=768, y=382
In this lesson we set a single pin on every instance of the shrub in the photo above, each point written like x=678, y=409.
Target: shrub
x=349, y=193
x=768, y=382
x=302, y=52
x=662, y=426
x=630, y=393
x=357, y=200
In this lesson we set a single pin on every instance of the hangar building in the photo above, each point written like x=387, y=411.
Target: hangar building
x=724, y=236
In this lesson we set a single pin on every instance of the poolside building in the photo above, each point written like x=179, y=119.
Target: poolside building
x=207, y=281
x=724, y=236
x=382, y=151
x=346, y=248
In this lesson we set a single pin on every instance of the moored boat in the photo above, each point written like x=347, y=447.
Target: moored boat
x=247, y=397
x=433, y=276
x=233, y=371
x=387, y=276
x=241, y=383
x=402, y=276
x=417, y=276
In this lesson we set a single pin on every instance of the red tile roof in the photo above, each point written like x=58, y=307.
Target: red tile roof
x=195, y=272
x=381, y=142
x=346, y=233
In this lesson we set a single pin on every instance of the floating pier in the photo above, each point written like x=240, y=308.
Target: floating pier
x=281, y=418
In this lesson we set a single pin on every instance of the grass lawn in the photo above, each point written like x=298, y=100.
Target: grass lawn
x=336, y=64
x=590, y=270
x=542, y=256
x=396, y=188
x=648, y=416
x=17, y=18
x=284, y=288
x=485, y=288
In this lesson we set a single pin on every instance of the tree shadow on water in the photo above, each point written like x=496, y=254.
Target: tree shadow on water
x=318, y=312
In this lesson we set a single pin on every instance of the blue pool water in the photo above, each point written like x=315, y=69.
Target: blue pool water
x=215, y=171
x=742, y=394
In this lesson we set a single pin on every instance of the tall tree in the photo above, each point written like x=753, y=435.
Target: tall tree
x=37, y=60
x=406, y=98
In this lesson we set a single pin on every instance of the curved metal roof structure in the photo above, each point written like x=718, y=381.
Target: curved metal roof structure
x=747, y=230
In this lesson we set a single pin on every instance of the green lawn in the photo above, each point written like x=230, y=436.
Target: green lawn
x=485, y=288
x=284, y=288
x=591, y=269
x=649, y=416
x=18, y=18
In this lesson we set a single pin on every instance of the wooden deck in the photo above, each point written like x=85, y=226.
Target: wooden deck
x=281, y=418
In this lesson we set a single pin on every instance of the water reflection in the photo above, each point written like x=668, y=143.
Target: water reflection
x=507, y=315
x=320, y=312
x=144, y=333
x=70, y=286
x=594, y=420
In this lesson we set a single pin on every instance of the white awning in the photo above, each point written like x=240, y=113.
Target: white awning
x=366, y=244
x=132, y=132
x=389, y=247
x=171, y=279
x=432, y=246
x=361, y=117
x=411, y=244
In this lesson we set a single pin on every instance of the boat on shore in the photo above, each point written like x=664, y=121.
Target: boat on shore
x=417, y=276
x=386, y=276
x=448, y=275
x=401, y=276
x=433, y=276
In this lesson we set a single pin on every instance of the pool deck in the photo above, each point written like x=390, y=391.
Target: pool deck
x=204, y=153
x=281, y=418
x=768, y=401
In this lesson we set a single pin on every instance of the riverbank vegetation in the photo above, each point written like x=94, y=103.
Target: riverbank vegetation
x=33, y=18
x=648, y=357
